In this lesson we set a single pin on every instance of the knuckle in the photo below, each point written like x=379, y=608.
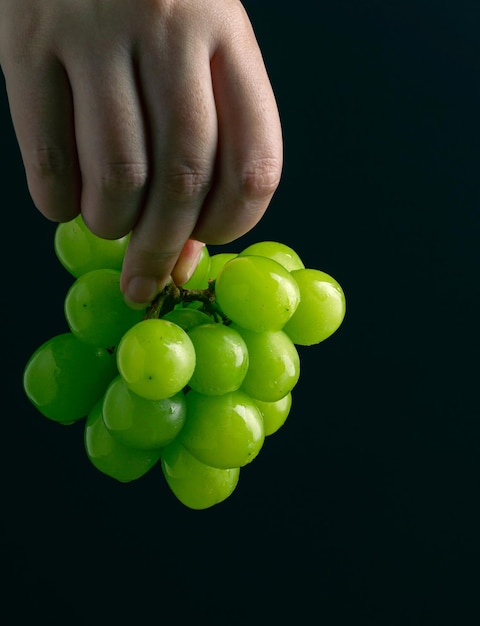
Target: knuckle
x=260, y=178
x=123, y=177
x=52, y=180
x=187, y=182
x=51, y=162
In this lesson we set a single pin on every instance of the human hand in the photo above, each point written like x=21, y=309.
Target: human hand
x=150, y=116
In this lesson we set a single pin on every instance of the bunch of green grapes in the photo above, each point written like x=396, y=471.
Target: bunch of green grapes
x=195, y=383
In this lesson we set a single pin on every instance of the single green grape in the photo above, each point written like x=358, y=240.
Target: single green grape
x=275, y=413
x=321, y=309
x=111, y=457
x=222, y=431
x=80, y=251
x=280, y=252
x=187, y=317
x=95, y=308
x=257, y=293
x=65, y=377
x=199, y=278
x=156, y=358
x=140, y=423
x=221, y=359
x=196, y=485
x=217, y=261
x=274, y=364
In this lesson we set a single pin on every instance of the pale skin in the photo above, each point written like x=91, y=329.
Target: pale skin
x=150, y=116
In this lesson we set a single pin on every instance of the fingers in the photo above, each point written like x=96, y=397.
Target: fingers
x=250, y=140
x=180, y=107
x=164, y=125
x=111, y=141
x=42, y=113
x=217, y=154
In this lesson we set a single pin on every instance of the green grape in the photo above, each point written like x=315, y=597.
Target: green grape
x=156, y=358
x=80, y=251
x=222, y=431
x=275, y=413
x=111, y=457
x=196, y=485
x=199, y=278
x=274, y=364
x=65, y=377
x=217, y=261
x=95, y=309
x=221, y=359
x=257, y=293
x=321, y=310
x=187, y=317
x=140, y=423
x=279, y=252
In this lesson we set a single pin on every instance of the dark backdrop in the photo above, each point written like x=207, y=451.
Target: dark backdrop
x=363, y=508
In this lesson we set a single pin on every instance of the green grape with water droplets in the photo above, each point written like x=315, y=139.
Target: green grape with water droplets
x=217, y=261
x=221, y=359
x=141, y=423
x=257, y=293
x=280, y=252
x=187, y=317
x=95, y=308
x=80, y=251
x=109, y=456
x=321, y=309
x=195, y=484
x=223, y=431
x=196, y=381
x=65, y=377
x=156, y=358
x=275, y=413
x=274, y=364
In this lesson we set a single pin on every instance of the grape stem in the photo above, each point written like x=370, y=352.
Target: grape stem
x=173, y=295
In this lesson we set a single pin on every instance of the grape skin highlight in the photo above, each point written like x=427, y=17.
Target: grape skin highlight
x=95, y=309
x=223, y=431
x=80, y=251
x=257, y=293
x=111, y=457
x=64, y=377
x=274, y=364
x=221, y=359
x=321, y=309
x=279, y=252
x=195, y=484
x=141, y=423
x=156, y=358
x=275, y=413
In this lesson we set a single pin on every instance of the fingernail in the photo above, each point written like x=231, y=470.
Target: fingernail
x=188, y=261
x=194, y=262
x=140, y=292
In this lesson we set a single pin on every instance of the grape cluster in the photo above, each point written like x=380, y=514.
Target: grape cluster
x=194, y=383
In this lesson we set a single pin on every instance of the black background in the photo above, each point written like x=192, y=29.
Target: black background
x=362, y=509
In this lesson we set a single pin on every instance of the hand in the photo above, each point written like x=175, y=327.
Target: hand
x=150, y=116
